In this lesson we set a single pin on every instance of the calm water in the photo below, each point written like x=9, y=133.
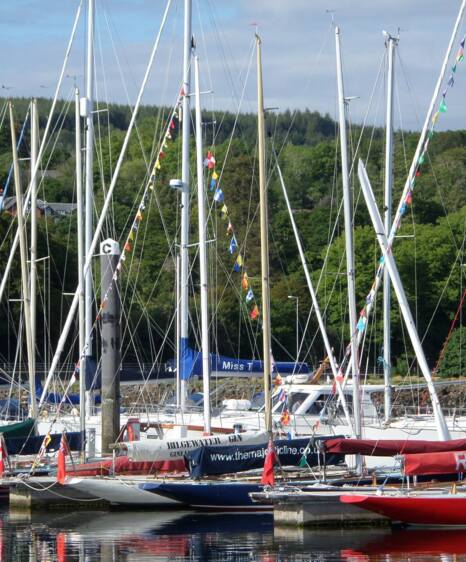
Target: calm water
x=178, y=536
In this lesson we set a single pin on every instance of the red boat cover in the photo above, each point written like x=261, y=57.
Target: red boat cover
x=435, y=463
x=391, y=447
x=123, y=465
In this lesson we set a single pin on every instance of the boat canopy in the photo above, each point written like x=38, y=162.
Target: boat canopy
x=448, y=462
x=391, y=447
x=222, y=365
x=210, y=461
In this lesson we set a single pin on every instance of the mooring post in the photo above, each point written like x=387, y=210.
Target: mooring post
x=111, y=343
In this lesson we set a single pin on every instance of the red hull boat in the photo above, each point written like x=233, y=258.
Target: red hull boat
x=428, y=509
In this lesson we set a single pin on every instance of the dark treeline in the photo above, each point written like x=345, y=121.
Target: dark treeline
x=428, y=251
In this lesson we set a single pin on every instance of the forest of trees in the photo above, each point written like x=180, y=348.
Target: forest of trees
x=428, y=249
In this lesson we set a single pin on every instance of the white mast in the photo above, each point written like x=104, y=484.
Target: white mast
x=348, y=211
x=202, y=255
x=266, y=336
x=14, y=246
x=103, y=215
x=33, y=279
x=389, y=261
x=87, y=112
x=24, y=269
x=79, y=220
x=387, y=361
x=184, y=312
x=315, y=302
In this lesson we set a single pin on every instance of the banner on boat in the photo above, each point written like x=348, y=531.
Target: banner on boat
x=171, y=449
x=210, y=461
x=449, y=462
x=220, y=365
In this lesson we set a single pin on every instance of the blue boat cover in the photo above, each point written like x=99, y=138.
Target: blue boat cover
x=191, y=365
x=209, y=461
x=31, y=445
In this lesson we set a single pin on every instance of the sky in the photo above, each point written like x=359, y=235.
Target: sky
x=298, y=53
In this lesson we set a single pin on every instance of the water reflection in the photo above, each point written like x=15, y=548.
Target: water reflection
x=182, y=536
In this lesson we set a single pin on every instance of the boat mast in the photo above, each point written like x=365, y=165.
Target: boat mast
x=266, y=337
x=390, y=43
x=33, y=279
x=183, y=343
x=202, y=255
x=348, y=212
x=87, y=112
x=315, y=303
x=81, y=310
x=24, y=269
x=389, y=261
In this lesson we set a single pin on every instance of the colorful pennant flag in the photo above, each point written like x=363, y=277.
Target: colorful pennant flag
x=218, y=195
x=233, y=244
x=249, y=296
x=245, y=281
x=254, y=312
x=238, y=263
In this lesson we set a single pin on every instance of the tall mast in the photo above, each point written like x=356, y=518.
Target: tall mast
x=33, y=279
x=202, y=255
x=391, y=42
x=348, y=212
x=266, y=337
x=87, y=110
x=24, y=269
x=80, y=224
x=184, y=314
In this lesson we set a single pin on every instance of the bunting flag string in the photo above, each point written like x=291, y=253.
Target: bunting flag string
x=233, y=247
x=127, y=249
x=442, y=108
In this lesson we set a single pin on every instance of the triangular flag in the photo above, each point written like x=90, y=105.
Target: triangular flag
x=157, y=164
x=442, y=107
x=254, y=312
x=224, y=212
x=139, y=216
x=435, y=117
x=61, y=466
x=218, y=195
x=229, y=228
x=268, y=476
x=214, y=175
x=161, y=155
x=233, y=245
x=131, y=235
x=127, y=247
x=172, y=124
x=451, y=80
x=249, y=296
x=245, y=282
x=213, y=183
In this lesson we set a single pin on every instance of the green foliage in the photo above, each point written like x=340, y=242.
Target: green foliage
x=308, y=154
x=453, y=364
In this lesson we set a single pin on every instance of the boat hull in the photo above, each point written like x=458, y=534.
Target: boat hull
x=417, y=510
x=212, y=496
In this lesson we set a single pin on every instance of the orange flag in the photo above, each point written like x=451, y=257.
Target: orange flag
x=268, y=476
x=245, y=282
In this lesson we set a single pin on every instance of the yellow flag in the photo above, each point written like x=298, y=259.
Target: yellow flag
x=215, y=175
x=157, y=164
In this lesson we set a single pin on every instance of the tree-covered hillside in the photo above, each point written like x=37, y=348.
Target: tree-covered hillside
x=428, y=248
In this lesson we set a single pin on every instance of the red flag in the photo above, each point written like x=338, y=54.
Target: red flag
x=61, y=466
x=254, y=312
x=268, y=477
x=3, y=455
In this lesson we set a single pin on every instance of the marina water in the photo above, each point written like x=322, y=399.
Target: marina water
x=191, y=536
